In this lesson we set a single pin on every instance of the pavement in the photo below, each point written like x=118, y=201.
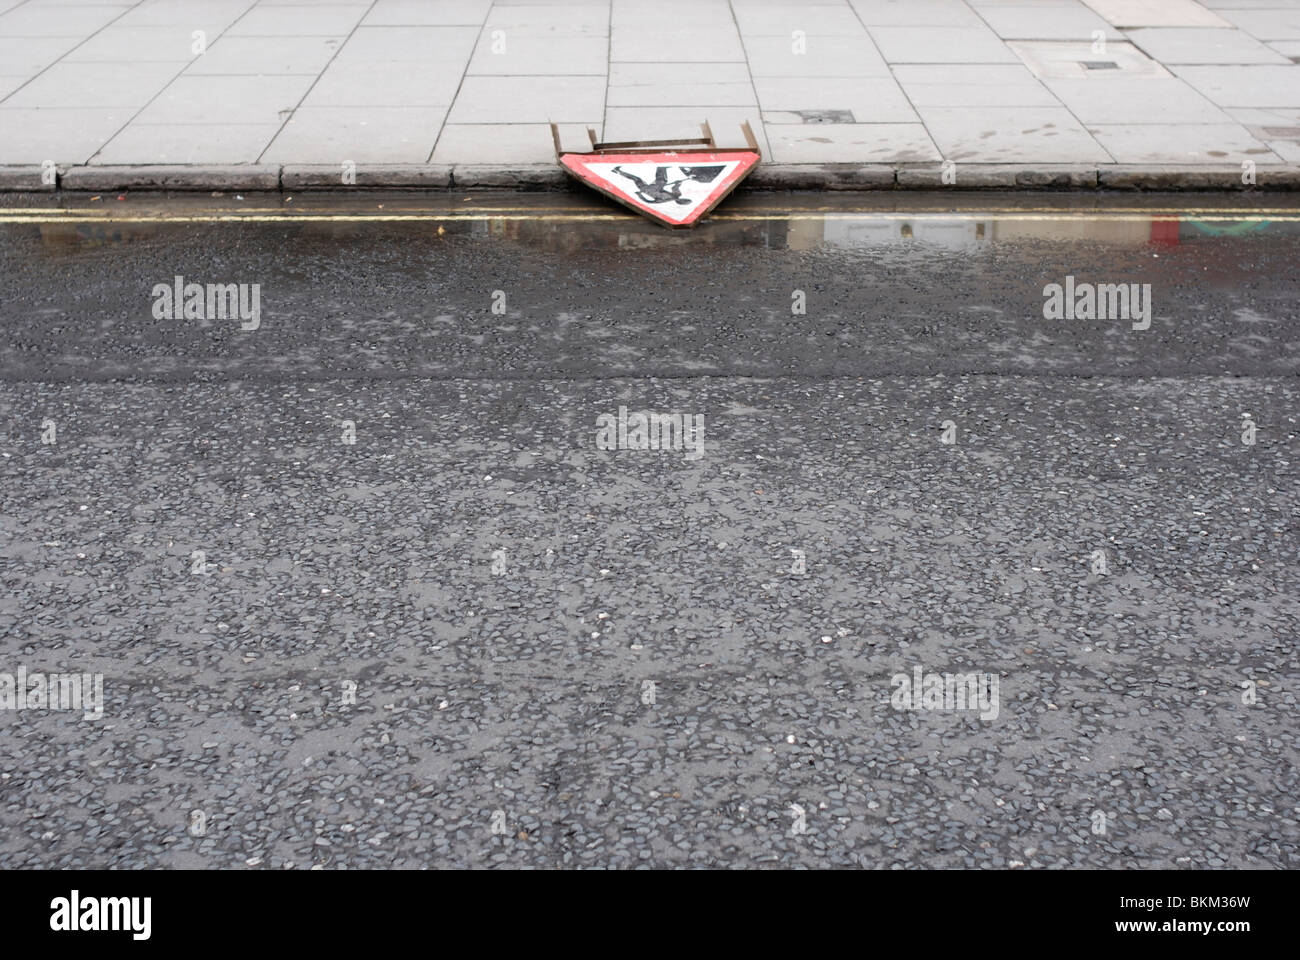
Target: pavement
x=365, y=590
x=856, y=94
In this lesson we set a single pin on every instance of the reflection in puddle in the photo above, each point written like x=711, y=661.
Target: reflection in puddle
x=566, y=224
x=958, y=233
x=949, y=233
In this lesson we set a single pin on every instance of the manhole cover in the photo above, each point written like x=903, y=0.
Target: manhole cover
x=826, y=116
x=1073, y=60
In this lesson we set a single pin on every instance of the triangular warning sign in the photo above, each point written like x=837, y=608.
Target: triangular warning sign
x=676, y=187
x=659, y=178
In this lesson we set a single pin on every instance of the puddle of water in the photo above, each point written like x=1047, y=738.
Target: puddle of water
x=578, y=221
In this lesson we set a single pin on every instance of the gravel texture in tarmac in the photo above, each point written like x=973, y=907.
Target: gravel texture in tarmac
x=471, y=637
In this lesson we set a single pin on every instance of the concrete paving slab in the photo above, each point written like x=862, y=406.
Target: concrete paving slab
x=358, y=134
x=868, y=99
x=163, y=44
x=194, y=143
x=507, y=143
x=558, y=20
x=1135, y=100
x=820, y=57
x=1198, y=45
x=1281, y=23
x=226, y=100
x=210, y=16
x=1288, y=150
x=1162, y=143
x=1248, y=86
x=915, y=13
x=1279, y=130
x=851, y=143
x=76, y=85
x=9, y=84
x=423, y=13
x=941, y=45
x=697, y=14
x=659, y=43
x=518, y=54
x=1065, y=60
x=973, y=85
x=810, y=76
x=1248, y=4
x=34, y=135
x=37, y=20
x=813, y=20
x=299, y=20
x=1156, y=13
x=1275, y=117
x=267, y=56
x=417, y=43
x=1011, y=134
x=377, y=83
x=529, y=100
x=682, y=94
x=650, y=74
x=27, y=56
x=1035, y=22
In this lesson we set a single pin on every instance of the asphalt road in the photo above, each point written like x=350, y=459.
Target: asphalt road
x=563, y=655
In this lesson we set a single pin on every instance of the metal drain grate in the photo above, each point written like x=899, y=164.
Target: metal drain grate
x=1099, y=64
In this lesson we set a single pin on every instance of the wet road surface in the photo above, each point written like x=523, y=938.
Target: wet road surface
x=365, y=589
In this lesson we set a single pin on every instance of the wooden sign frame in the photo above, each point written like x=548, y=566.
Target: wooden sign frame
x=674, y=152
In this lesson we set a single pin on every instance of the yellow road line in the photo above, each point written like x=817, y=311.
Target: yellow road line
x=284, y=213
x=1292, y=215
x=300, y=219
x=630, y=218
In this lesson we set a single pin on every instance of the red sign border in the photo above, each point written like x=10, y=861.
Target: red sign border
x=573, y=165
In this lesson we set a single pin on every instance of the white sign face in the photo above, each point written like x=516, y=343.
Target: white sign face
x=672, y=191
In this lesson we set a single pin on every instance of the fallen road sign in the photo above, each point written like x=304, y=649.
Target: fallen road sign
x=666, y=180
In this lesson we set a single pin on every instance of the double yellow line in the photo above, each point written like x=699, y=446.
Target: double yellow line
x=277, y=215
